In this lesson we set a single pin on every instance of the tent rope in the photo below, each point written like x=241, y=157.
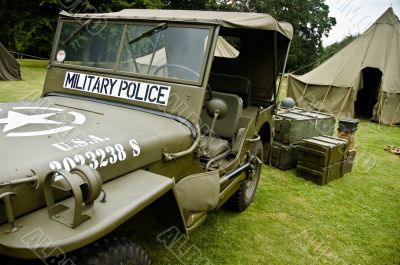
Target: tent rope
x=302, y=96
x=326, y=94
x=315, y=62
x=27, y=55
x=395, y=114
x=322, y=59
x=344, y=101
x=380, y=106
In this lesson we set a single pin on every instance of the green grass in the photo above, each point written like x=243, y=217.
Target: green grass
x=353, y=220
x=33, y=73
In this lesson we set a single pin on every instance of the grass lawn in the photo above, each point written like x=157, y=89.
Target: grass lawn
x=353, y=220
x=33, y=73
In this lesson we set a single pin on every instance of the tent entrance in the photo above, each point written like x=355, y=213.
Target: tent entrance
x=367, y=96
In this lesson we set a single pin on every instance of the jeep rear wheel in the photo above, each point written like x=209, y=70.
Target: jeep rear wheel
x=111, y=251
x=245, y=194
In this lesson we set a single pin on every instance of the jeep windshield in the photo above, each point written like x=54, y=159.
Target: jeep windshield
x=158, y=50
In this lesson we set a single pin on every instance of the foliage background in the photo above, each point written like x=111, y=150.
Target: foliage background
x=28, y=26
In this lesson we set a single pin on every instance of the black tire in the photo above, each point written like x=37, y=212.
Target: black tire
x=245, y=194
x=111, y=250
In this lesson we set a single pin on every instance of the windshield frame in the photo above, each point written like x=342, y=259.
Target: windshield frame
x=126, y=23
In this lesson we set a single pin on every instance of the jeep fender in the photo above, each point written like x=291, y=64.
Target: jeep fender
x=127, y=195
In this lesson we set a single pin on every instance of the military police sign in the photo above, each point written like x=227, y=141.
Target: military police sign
x=127, y=89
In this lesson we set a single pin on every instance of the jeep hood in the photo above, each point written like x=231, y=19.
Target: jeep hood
x=59, y=133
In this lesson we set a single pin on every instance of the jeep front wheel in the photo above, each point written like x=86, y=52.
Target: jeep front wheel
x=111, y=250
x=245, y=194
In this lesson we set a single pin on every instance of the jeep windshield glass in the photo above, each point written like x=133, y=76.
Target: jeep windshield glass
x=76, y=32
x=158, y=49
x=93, y=45
x=149, y=32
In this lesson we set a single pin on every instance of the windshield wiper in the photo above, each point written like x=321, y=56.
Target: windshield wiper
x=76, y=32
x=149, y=32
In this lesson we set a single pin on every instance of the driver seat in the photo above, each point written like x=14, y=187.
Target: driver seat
x=225, y=127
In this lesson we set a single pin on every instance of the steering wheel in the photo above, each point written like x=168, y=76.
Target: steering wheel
x=169, y=65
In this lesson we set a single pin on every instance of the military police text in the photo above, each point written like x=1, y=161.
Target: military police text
x=127, y=89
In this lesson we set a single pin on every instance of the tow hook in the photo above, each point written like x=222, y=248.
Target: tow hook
x=258, y=160
x=254, y=160
x=251, y=172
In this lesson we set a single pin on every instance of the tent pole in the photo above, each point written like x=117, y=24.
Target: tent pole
x=380, y=107
x=284, y=69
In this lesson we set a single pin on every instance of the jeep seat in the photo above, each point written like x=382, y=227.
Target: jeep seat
x=232, y=84
x=227, y=126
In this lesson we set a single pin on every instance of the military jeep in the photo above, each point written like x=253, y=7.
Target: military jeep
x=159, y=113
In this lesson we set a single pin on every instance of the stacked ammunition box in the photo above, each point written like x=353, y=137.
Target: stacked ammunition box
x=321, y=159
x=291, y=127
x=347, y=130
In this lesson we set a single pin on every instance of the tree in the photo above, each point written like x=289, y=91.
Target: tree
x=188, y=4
x=310, y=20
x=29, y=26
x=25, y=27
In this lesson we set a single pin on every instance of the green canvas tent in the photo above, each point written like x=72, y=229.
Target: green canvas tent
x=362, y=79
x=9, y=67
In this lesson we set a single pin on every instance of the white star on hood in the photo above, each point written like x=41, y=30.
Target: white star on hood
x=16, y=120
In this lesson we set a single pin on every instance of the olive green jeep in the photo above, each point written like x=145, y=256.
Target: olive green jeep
x=144, y=113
